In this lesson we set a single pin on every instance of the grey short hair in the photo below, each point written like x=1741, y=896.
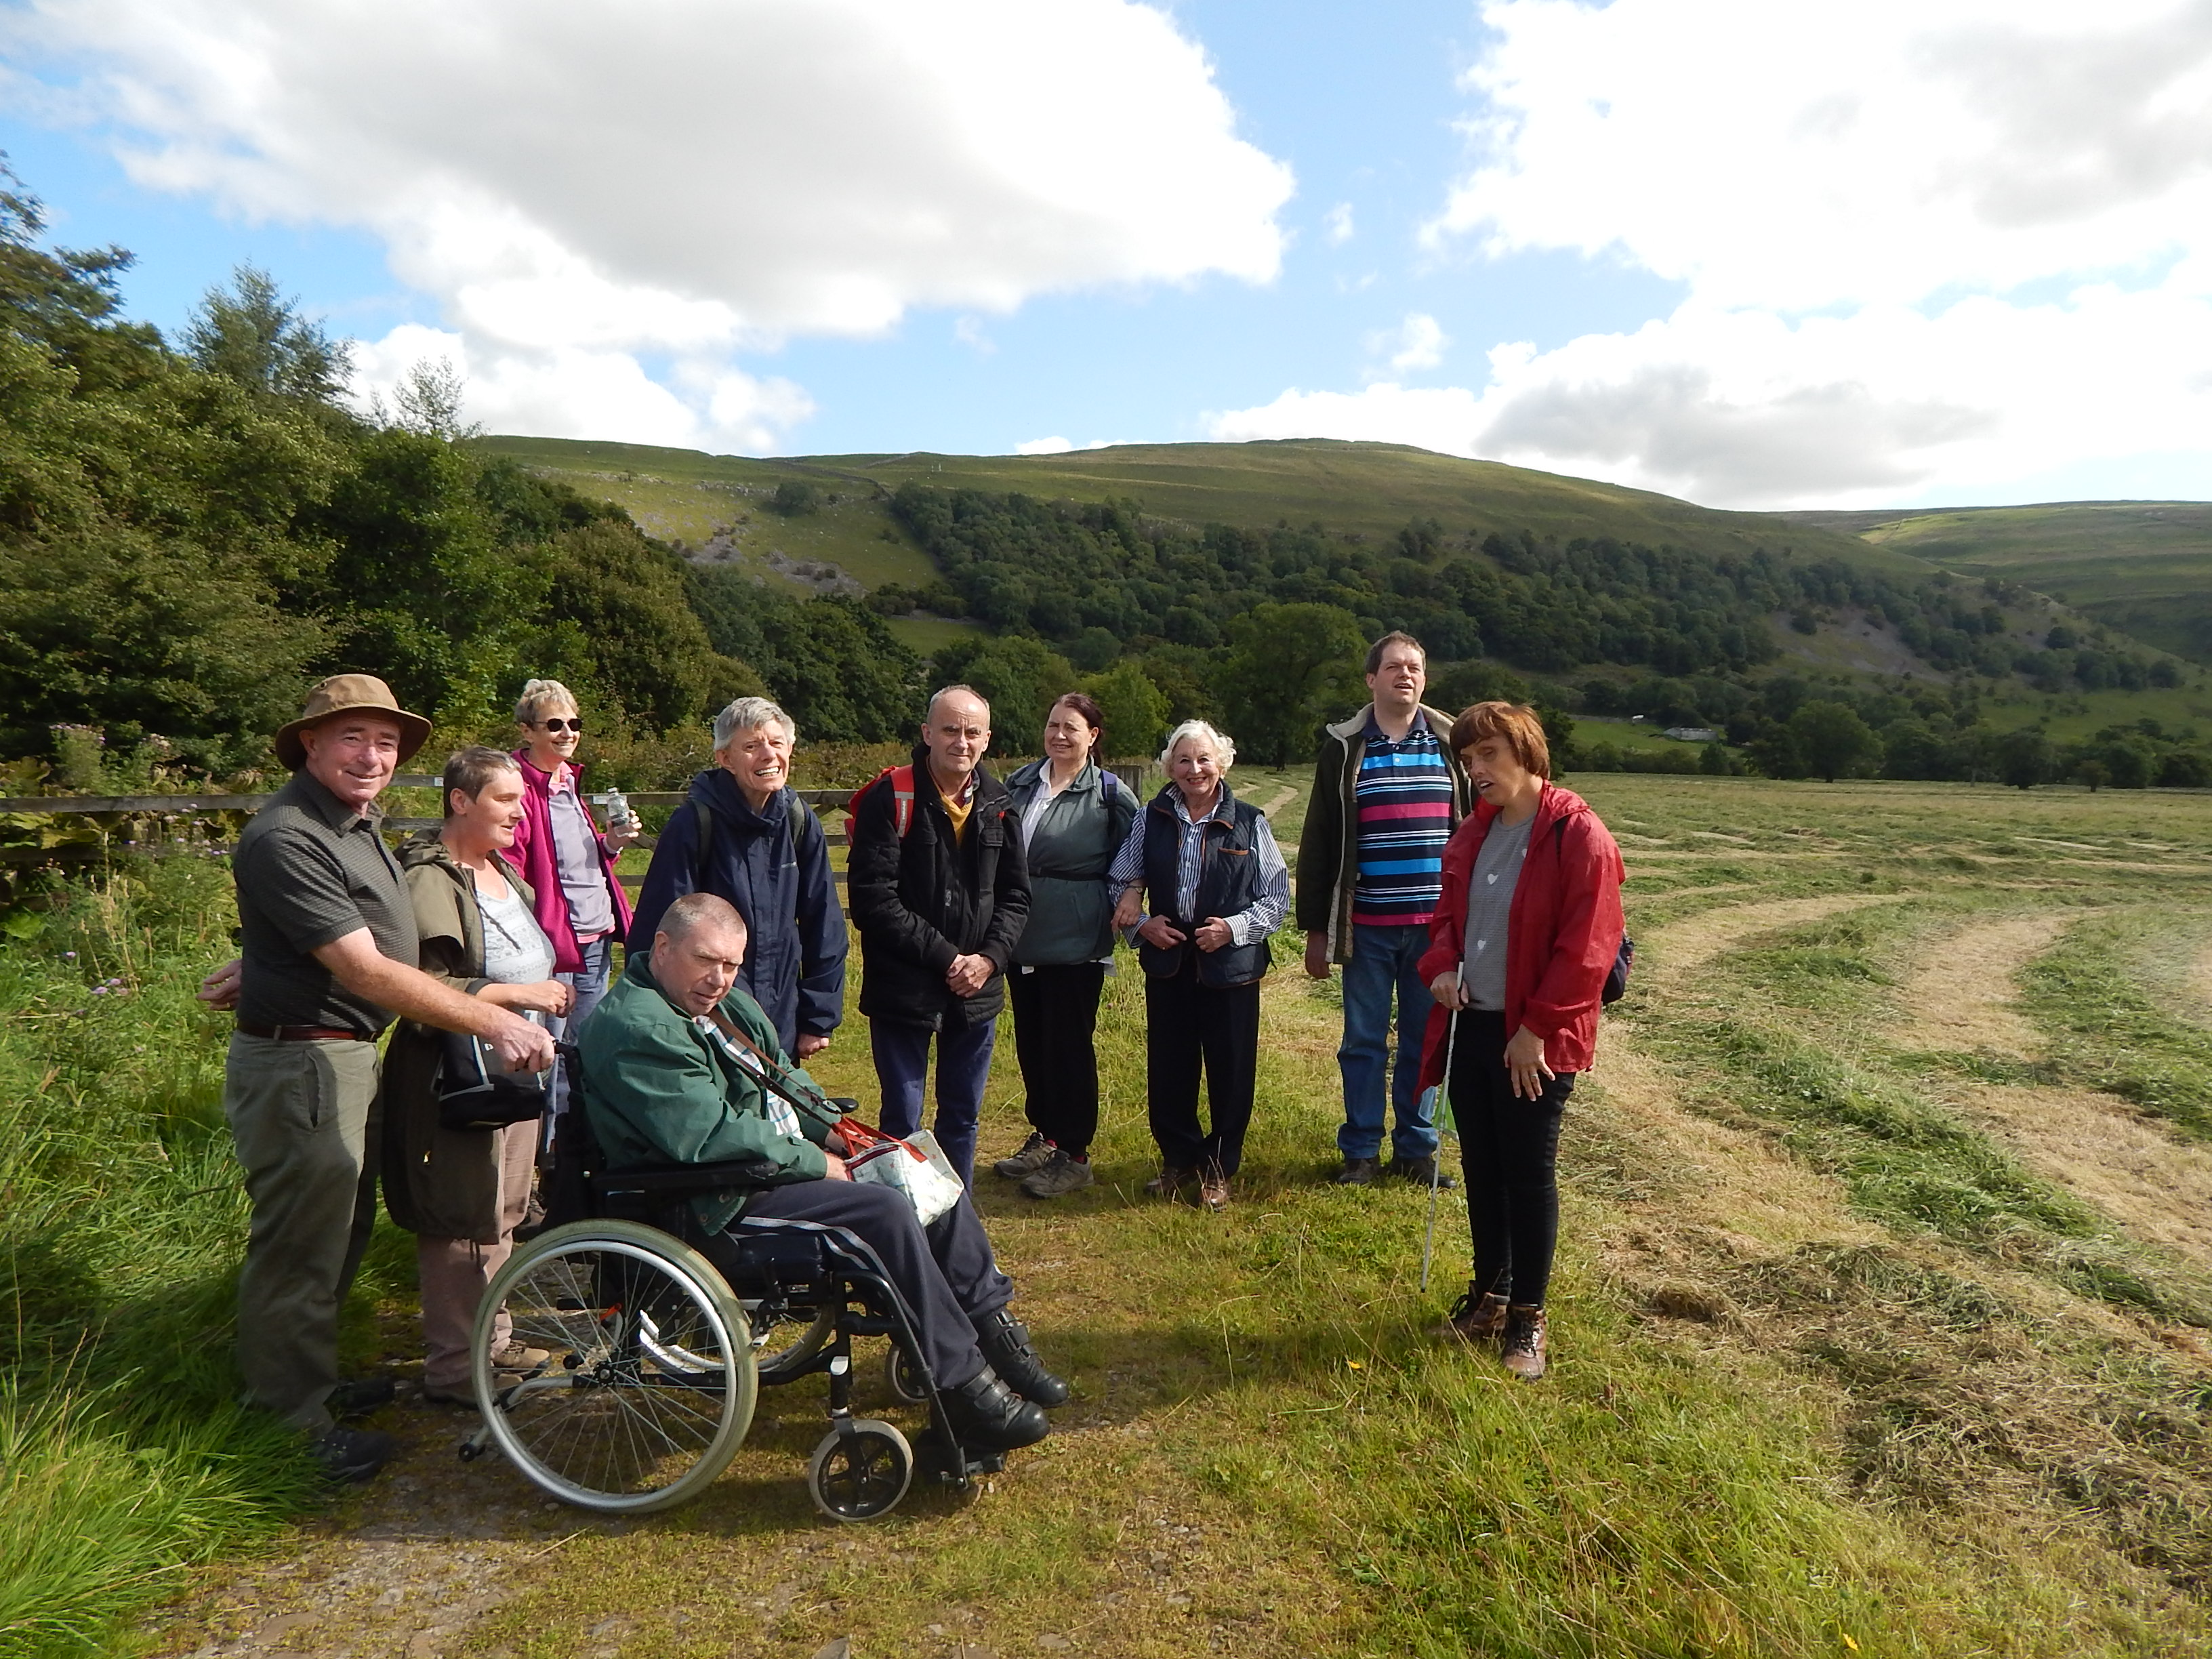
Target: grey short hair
x=1212, y=736
x=541, y=696
x=930, y=708
x=471, y=769
x=750, y=714
x=695, y=910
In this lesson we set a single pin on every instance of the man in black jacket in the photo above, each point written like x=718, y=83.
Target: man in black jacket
x=939, y=892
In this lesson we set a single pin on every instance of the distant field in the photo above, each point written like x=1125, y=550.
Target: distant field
x=2144, y=567
x=1373, y=488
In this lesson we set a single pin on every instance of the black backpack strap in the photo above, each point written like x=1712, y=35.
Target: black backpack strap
x=703, y=841
x=803, y=818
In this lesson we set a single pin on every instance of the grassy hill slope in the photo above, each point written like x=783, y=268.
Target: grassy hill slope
x=1367, y=488
x=2144, y=567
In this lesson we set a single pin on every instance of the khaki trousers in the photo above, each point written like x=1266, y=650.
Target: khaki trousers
x=304, y=1117
x=453, y=1272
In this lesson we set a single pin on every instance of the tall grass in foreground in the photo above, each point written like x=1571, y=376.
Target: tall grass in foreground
x=122, y=1457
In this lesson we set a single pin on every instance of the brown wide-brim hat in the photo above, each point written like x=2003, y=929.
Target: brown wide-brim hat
x=348, y=694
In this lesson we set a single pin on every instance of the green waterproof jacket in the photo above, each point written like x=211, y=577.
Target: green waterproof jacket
x=662, y=1091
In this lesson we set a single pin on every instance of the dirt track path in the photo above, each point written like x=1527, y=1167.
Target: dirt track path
x=1681, y=948
x=1960, y=998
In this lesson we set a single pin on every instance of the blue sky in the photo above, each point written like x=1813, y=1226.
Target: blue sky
x=1707, y=246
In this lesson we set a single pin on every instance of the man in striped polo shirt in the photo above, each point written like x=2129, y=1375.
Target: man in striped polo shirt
x=1388, y=793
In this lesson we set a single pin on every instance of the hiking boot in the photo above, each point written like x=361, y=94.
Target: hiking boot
x=1035, y=1153
x=1421, y=1171
x=1522, y=1349
x=462, y=1394
x=1171, y=1180
x=352, y=1454
x=1475, y=1318
x=519, y=1357
x=1213, y=1191
x=988, y=1416
x=1058, y=1175
x=358, y=1397
x=1359, y=1172
x=1006, y=1344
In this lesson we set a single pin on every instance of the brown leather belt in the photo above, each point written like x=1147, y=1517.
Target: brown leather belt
x=302, y=1033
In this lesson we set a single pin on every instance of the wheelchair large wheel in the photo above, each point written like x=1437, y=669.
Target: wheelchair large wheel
x=861, y=1471
x=651, y=1384
x=784, y=1348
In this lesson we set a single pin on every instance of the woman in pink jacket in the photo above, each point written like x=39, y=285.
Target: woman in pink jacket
x=567, y=860
x=1525, y=933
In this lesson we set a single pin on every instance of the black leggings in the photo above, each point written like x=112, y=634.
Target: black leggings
x=1055, y=1023
x=1508, y=1153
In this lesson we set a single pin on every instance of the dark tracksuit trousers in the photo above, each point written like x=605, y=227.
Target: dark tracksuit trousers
x=945, y=1270
x=1055, y=1038
x=1188, y=1025
x=1509, y=1151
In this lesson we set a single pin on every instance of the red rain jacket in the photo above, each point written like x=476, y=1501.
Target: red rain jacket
x=1561, y=934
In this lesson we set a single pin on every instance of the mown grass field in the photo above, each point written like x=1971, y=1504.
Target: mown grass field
x=1882, y=1325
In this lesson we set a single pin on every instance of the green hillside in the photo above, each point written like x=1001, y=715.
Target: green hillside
x=1365, y=488
x=2144, y=567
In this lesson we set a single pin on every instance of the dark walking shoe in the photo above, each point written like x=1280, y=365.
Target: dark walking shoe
x=352, y=1454
x=1213, y=1191
x=1033, y=1156
x=1006, y=1344
x=1421, y=1171
x=1522, y=1349
x=1171, y=1180
x=1475, y=1318
x=1059, y=1175
x=988, y=1416
x=358, y=1396
x=1359, y=1172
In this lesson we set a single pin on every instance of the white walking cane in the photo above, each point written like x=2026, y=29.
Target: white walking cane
x=1436, y=1164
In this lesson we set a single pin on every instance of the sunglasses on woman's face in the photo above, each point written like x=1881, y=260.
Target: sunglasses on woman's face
x=558, y=726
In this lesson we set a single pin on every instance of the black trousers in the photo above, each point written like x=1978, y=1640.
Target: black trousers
x=1189, y=1027
x=1055, y=1027
x=1508, y=1156
x=944, y=1271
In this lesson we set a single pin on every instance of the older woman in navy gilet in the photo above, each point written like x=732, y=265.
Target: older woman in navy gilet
x=1201, y=884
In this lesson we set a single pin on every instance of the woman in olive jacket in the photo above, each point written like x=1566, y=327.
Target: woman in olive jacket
x=1075, y=816
x=463, y=1192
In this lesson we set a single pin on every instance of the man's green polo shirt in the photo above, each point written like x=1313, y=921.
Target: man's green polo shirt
x=310, y=870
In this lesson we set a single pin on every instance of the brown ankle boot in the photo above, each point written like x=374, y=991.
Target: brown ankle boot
x=1523, y=1348
x=1476, y=1317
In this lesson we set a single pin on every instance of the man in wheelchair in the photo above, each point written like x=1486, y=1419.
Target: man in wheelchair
x=673, y=1062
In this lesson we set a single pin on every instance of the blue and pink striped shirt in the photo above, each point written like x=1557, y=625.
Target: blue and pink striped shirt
x=1403, y=796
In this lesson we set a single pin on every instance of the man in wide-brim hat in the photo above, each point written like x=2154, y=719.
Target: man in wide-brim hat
x=327, y=955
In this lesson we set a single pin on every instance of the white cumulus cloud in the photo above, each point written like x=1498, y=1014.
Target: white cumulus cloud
x=583, y=184
x=1955, y=244
x=1416, y=343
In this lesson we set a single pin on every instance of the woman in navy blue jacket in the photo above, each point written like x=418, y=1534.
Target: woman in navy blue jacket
x=745, y=836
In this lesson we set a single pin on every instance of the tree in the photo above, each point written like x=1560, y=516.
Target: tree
x=1291, y=667
x=2025, y=758
x=253, y=335
x=1831, y=740
x=1021, y=679
x=1135, y=711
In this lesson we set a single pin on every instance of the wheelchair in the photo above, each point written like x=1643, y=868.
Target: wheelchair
x=660, y=1339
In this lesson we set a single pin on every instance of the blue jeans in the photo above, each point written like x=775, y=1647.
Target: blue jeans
x=590, y=985
x=1385, y=962
x=963, y=1062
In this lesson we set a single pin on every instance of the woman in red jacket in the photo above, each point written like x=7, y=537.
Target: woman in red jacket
x=1525, y=932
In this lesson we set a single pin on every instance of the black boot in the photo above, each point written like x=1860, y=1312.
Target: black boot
x=988, y=1416
x=1006, y=1344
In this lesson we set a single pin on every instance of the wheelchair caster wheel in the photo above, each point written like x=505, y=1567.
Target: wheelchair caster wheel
x=860, y=1471
x=905, y=1377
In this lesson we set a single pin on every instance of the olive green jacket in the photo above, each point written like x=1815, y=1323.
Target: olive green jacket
x=440, y=1182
